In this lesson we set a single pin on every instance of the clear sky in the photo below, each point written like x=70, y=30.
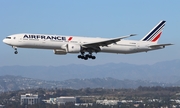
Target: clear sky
x=92, y=18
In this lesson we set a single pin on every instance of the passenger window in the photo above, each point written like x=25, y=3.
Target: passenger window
x=14, y=37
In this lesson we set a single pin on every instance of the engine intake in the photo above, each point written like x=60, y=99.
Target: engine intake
x=73, y=48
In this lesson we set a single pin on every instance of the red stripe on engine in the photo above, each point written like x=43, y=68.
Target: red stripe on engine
x=156, y=38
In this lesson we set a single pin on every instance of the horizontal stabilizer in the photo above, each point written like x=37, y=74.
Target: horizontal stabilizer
x=158, y=45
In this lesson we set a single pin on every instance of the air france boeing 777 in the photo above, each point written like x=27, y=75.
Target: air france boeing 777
x=62, y=45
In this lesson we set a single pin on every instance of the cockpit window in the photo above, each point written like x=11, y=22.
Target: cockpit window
x=8, y=37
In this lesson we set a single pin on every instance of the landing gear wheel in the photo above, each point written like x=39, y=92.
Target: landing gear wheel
x=90, y=56
x=87, y=56
x=15, y=48
x=93, y=57
x=79, y=56
x=15, y=52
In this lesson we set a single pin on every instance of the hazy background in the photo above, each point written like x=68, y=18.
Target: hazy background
x=102, y=18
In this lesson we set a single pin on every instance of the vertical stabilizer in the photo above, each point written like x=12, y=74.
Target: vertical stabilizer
x=155, y=33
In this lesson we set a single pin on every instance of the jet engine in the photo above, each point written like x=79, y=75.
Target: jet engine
x=73, y=48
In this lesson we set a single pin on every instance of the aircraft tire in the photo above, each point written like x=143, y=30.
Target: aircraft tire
x=15, y=52
x=85, y=58
x=93, y=57
x=79, y=56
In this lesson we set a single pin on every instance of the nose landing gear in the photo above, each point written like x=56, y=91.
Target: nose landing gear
x=15, y=48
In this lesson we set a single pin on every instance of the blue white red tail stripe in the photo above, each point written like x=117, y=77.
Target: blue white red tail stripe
x=155, y=33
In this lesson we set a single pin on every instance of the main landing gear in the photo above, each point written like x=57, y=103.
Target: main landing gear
x=85, y=57
x=15, y=48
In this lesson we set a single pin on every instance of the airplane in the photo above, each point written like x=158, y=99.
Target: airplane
x=61, y=44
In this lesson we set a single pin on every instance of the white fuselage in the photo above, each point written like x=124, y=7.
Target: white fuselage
x=59, y=42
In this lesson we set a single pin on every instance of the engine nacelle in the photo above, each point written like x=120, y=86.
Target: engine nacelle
x=60, y=52
x=73, y=48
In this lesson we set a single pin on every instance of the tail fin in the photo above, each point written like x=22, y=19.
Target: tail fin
x=155, y=33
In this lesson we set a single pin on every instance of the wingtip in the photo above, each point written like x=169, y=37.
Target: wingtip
x=133, y=34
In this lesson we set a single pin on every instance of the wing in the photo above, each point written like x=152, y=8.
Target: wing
x=105, y=42
x=95, y=46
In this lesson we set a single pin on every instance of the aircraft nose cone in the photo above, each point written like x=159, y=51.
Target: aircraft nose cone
x=4, y=40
